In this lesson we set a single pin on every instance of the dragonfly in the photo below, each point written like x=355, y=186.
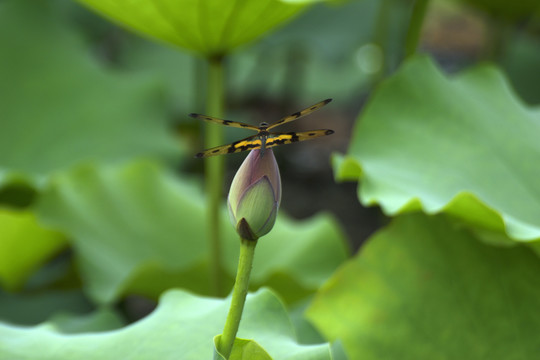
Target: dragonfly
x=264, y=139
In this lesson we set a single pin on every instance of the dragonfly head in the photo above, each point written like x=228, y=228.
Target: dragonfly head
x=263, y=125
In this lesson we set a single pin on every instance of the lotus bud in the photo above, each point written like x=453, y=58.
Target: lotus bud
x=255, y=195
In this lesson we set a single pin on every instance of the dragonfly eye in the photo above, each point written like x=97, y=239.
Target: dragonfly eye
x=263, y=124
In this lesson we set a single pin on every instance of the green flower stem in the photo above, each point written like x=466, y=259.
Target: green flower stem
x=241, y=285
x=214, y=167
x=380, y=36
x=415, y=27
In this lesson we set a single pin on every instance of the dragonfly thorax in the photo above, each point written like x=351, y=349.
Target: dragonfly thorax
x=263, y=133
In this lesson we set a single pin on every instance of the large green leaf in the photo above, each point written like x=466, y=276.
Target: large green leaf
x=24, y=245
x=182, y=327
x=139, y=229
x=60, y=107
x=423, y=288
x=324, y=52
x=466, y=146
x=208, y=27
x=100, y=320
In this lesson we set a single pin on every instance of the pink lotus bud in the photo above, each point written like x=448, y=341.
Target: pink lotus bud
x=255, y=195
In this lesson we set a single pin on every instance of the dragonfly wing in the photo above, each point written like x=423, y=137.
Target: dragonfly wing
x=214, y=120
x=299, y=114
x=276, y=139
x=249, y=143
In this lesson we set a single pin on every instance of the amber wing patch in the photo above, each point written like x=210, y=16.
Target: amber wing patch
x=248, y=143
x=290, y=137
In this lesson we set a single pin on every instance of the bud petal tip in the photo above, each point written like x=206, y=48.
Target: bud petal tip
x=244, y=230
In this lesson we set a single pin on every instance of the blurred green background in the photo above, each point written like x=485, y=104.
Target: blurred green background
x=101, y=198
